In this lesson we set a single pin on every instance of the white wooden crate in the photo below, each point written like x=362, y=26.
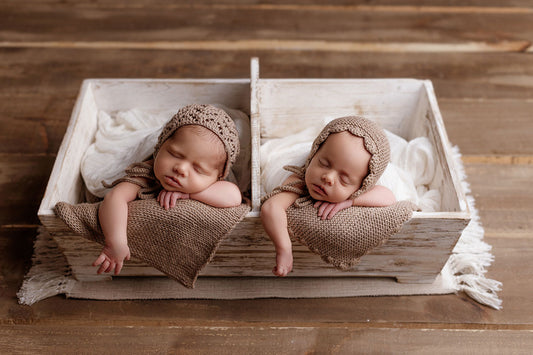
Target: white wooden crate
x=277, y=107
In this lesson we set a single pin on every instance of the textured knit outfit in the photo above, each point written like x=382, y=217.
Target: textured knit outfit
x=354, y=231
x=179, y=241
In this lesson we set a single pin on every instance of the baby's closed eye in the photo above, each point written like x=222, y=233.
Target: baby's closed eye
x=345, y=179
x=323, y=162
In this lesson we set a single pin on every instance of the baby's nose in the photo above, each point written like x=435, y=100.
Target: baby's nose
x=181, y=169
x=327, y=178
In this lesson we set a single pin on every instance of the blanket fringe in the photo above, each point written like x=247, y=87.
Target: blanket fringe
x=50, y=274
x=472, y=256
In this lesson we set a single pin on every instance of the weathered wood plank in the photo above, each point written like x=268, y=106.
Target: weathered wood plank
x=511, y=266
x=22, y=182
x=503, y=196
x=489, y=127
x=416, y=254
x=259, y=339
x=458, y=75
x=377, y=5
x=16, y=245
x=34, y=124
x=43, y=22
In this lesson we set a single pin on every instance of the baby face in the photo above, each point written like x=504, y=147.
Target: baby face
x=190, y=161
x=338, y=168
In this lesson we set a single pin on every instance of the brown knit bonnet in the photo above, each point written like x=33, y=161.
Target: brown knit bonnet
x=375, y=142
x=210, y=117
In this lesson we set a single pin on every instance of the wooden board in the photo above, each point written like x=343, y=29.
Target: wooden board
x=225, y=24
x=17, y=65
x=259, y=339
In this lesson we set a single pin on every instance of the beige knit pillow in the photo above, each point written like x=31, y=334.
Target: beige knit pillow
x=178, y=242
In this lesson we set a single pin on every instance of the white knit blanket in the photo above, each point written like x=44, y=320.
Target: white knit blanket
x=408, y=175
x=127, y=137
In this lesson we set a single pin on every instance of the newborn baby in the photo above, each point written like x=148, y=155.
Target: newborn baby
x=346, y=160
x=193, y=155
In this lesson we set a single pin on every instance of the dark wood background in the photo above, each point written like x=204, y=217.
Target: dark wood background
x=478, y=55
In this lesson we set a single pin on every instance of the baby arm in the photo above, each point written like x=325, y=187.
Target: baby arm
x=113, y=217
x=220, y=194
x=274, y=219
x=378, y=196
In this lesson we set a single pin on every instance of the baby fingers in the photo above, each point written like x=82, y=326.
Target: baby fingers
x=167, y=200
x=103, y=267
x=111, y=267
x=118, y=268
x=99, y=260
x=329, y=211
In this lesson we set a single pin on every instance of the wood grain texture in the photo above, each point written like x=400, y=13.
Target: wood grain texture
x=504, y=196
x=59, y=23
x=500, y=126
x=23, y=178
x=409, y=5
x=258, y=339
x=61, y=70
x=416, y=254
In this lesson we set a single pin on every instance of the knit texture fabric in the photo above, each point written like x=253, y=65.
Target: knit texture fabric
x=375, y=142
x=350, y=234
x=210, y=117
x=178, y=242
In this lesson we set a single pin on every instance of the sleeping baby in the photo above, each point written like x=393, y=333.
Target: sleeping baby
x=193, y=155
x=346, y=160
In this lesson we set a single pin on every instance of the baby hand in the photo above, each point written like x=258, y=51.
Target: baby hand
x=112, y=258
x=326, y=210
x=167, y=199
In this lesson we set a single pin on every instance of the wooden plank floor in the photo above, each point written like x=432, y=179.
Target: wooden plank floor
x=478, y=55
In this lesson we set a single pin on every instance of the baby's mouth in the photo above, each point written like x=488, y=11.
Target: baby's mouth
x=319, y=189
x=172, y=181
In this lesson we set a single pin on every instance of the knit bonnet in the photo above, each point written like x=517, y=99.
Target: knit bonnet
x=210, y=117
x=375, y=142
